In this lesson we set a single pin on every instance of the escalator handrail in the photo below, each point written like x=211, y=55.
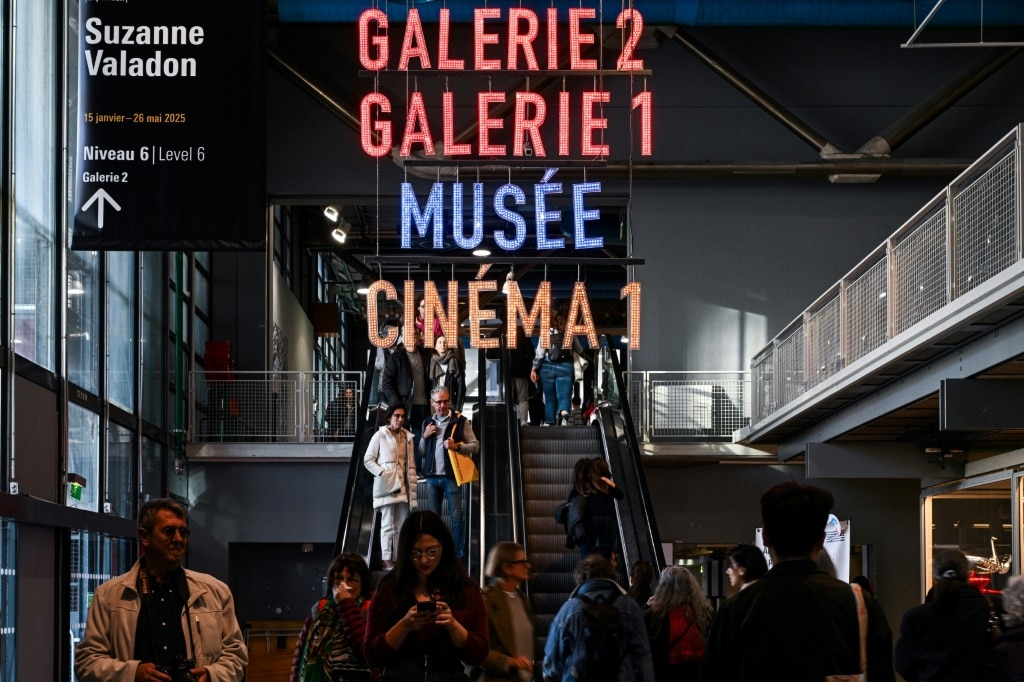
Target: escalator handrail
x=514, y=449
x=632, y=457
x=344, y=543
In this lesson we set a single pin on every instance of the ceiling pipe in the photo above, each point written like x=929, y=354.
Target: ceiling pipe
x=938, y=102
x=734, y=13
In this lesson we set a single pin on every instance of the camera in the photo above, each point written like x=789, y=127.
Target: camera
x=180, y=670
x=426, y=606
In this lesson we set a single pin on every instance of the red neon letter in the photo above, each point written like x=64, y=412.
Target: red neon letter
x=417, y=118
x=636, y=28
x=529, y=125
x=366, y=130
x=413, y=44
x=486, y=124
x=643, y=102
x=380, y=41
x=552, y=38
x=576, y=38
x=480, y=39
x=590, y=123
x=563, y=123
x=515, y=39
x=448, y=114
x=443, y=62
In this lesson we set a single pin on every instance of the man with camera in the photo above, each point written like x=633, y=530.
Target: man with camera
x=160, y=622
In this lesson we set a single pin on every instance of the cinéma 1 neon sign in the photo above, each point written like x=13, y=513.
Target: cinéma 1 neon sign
x=530, y=114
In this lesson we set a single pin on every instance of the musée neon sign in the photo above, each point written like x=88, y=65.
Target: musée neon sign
x=522, y=27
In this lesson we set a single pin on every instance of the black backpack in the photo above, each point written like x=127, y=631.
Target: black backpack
x=602, y=640
x=555, y=351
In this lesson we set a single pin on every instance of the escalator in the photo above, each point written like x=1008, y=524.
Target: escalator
x=525, y=473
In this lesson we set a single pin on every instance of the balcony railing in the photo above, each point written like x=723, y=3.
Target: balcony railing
x=268, y=407
x=691, y=406
x=956, y=243
x=295, y=407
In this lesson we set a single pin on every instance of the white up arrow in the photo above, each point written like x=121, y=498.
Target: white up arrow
x=98, y=197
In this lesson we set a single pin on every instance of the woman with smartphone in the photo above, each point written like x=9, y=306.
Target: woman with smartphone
x=428, y=618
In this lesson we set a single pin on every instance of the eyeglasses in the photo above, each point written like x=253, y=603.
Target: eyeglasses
x=445, y=401
x=429, y=552
x=170, y=531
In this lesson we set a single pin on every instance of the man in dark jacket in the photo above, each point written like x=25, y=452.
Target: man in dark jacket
x=446, y=430
x=797, y=622
x=405, y=383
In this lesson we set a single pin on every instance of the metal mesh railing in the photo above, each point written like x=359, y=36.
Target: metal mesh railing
x=824, y=343
x=867, y=324
x=920, y=285
x=266, y=407
x=956, y=243
x=689, y=405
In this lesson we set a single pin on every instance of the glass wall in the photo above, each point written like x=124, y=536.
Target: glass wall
x=8, y=603
x=84, y=482
x=154, y=325
x=95, y=558
x=85, y=288
x=121, y=329
x=977, y=520
x=121, y=460
x=35, y=168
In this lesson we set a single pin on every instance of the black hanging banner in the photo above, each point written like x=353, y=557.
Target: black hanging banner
x=171, y=125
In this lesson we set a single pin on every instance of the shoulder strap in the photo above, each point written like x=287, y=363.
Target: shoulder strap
x=862, y=624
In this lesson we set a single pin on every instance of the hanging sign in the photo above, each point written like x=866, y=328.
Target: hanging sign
x=170, y=150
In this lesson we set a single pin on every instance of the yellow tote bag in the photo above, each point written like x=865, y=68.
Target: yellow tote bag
x=463, y=467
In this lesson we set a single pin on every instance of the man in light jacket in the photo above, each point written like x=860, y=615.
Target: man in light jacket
x=160, y=619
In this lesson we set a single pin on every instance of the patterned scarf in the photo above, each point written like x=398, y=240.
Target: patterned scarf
x=328, y=654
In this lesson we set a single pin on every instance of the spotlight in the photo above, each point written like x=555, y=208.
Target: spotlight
x=363, y=291
x=340, y=233
x=331, y=213
x=504, y=287
x=481, y=253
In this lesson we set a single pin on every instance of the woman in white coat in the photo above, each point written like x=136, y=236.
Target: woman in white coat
x=389, y=458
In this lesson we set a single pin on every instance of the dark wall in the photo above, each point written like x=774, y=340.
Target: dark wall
x=720, y=503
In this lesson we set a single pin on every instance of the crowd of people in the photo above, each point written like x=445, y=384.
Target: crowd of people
x=426, y=619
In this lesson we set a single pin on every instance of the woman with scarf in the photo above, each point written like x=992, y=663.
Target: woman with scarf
x=446, y=370
x=330, y=646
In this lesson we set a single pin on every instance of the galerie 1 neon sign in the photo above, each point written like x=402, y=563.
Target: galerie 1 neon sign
x=530, y=114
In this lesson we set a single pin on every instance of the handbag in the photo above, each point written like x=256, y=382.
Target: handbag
x=388, y=483
x=463, y=467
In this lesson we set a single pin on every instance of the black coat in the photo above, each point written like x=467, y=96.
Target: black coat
x=944, y=639
x=1006, y=660
x=398, y=383
x=571, y=514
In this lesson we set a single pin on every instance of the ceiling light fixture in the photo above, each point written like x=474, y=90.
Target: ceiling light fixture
x=481, y=253
x=504, y=287
x=363, y=291
x=340, y=233
x=331, y=213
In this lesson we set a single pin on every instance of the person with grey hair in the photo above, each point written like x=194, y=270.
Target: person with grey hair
x=946, y=638
x=159, y=620
x=1006, y=660
x=565, y=653
x=677, y=625
x=509, y=616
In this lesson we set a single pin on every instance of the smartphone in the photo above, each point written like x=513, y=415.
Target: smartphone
x=422, y=606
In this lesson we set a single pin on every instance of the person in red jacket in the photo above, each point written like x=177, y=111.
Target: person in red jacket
x=428, y=618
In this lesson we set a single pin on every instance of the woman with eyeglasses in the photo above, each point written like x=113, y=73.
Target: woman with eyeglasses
x=330, y=646
x=389, y=457
x=509, y=617
x=428, y=619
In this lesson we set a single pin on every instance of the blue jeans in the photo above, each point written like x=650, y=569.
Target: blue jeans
x=442, y=487
x=556, y=378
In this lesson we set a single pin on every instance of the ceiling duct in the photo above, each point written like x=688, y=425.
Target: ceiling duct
x=752, y=13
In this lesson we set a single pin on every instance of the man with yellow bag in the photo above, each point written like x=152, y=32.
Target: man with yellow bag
x=448, y=442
